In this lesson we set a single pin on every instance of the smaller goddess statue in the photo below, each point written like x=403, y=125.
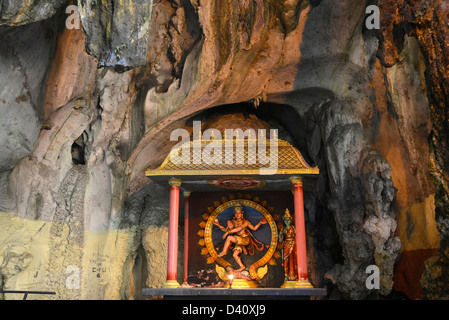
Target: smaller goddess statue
x=287, y=235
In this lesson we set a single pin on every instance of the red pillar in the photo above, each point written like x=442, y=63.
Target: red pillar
x=300, y=227
x=186, y=236
x=173, y=225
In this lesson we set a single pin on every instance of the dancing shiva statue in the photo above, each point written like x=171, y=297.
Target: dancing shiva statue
x=236, y=233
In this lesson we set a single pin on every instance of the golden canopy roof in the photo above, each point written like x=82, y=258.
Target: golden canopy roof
x=245, y=159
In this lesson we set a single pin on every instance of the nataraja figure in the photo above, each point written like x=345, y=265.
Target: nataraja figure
x=237, y=233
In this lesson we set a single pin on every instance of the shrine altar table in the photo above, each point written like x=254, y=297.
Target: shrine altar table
x=220, y=293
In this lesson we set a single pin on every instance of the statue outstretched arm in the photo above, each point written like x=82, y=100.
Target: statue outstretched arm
x=254, y=228
x=219, y=225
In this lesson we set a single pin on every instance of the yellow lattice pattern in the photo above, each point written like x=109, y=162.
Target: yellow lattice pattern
x=237, y=156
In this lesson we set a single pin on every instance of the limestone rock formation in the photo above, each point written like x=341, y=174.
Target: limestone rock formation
x=86, y=111
x=117, y=32
x=18, y=13
x=427, y=21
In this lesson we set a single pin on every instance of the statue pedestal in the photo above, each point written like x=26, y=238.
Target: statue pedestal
x=242, y=284
x=305, y=284
x=171, y=284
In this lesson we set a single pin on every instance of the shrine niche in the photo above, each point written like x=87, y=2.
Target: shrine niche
x=260, y=248
x=204, y=268
x=234, y=213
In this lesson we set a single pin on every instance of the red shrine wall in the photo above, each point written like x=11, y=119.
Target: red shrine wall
x=201, y=270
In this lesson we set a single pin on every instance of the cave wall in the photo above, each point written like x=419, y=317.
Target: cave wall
x=85, y=115
x=426, y=21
